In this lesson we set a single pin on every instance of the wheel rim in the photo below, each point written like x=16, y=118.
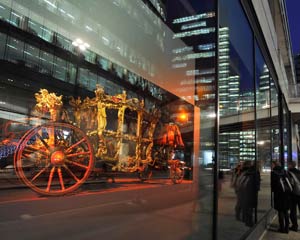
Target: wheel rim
x=59, y=158
x=146, y=174
x=177, y=177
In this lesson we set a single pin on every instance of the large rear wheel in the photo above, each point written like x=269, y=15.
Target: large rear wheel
x=54, y=158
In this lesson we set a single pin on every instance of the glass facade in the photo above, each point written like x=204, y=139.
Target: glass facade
x=236, y=205
x=153, y=94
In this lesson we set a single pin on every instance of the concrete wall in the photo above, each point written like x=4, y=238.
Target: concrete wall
x=266, y=22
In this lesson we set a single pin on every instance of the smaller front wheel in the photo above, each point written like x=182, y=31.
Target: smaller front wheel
x=176, y=172
x=145, y=174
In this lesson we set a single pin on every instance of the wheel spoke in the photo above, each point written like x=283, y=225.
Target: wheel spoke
x=71, y=173
x=50, y=179
x=30, y=148
x=77, y=164
x=42, y=140
x=60, y=178
x=78, y=154
x=26, y=158
x=57, y=133
x=74, y=145
x=39, y=173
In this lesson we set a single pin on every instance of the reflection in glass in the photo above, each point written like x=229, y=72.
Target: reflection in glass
x=165, y=60
x=238, y=176
x=4, y=12
x=15, y=18
x=47, y=34
x=275, y=136
x=35, y=28
x=285, y=128
x=263, y=130
x=46, y=63
x=60, y=68
x=32, y=58
x=2, y=45
x=14, y=50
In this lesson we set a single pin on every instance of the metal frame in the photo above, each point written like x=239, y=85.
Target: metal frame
x=216, y=128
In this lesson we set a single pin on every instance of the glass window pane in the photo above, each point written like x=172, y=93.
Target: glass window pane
x=105, y=64
x=63, y=42
x=158, y=120
x=263, y=142
x=14, y=50
x=16, y=18
x=60, y=68
x=4, y=12
x=32, y=57
x=90, y=56
x=46, y=63
x=2, y=45
x=71, y=73
x=47, y=34
x=35, y=28
x=19, y=15
x=93, y=81
x=237, y=202
x=286, y=133
x=118, y=70
x=275, y=136
x=83, y=78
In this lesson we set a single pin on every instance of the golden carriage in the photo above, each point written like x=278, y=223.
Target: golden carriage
x=105, y=133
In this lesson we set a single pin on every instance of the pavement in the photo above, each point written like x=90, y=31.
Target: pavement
x=229, y=230
x=273, y=234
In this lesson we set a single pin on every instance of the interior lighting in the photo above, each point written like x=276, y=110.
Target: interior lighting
x=80, y=44
x=50, y=3
x=183, y=117
x=69, y=15
x=260, y=142
x=88, y=28
x=211, y=115
x=61, y=10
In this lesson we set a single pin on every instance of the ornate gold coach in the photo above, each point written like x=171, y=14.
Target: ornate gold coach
x=103, y=132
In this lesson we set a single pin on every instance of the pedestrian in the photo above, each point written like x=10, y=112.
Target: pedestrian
x=234, y=179
x=294, y=174
x=281, y=189
x=248, y=185
x=221, y=180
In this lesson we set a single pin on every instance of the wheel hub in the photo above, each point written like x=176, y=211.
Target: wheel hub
x=57, y=158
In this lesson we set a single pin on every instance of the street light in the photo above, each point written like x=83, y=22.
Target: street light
x=80, y=47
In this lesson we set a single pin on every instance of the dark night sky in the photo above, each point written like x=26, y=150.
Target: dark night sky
x=293, y=10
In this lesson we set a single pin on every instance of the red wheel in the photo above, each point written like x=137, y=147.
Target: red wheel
x=176, y=175
x=54, y=158
x=176, y=171
x=146, y=174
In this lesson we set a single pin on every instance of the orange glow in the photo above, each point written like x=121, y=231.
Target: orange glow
x=183, y=117
x=57, y=157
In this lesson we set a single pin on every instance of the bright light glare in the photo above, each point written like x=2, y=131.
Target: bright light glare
x=82, y=47
x=211, y=115
x=66, y=134
x=80, y=44
x=183, y=116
